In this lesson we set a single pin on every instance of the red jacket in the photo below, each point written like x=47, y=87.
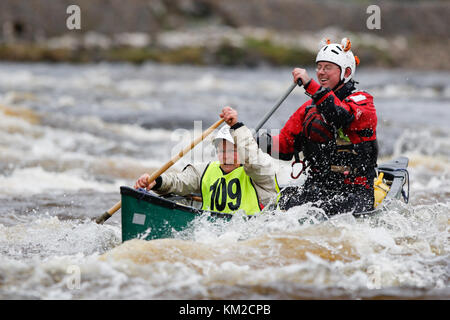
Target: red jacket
x=348, y=108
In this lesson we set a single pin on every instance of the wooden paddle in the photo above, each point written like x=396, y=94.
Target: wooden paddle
x=261, y=123
x=157, y=173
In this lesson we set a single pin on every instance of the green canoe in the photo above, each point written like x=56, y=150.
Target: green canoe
x=148, y=216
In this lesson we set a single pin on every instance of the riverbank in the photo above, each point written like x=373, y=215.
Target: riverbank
x=226, y=46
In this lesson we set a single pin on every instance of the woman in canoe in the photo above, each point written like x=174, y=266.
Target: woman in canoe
x=243, y=178
x=336, y=131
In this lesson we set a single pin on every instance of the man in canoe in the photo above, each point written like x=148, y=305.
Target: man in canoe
x=243, y=178
x=336, y=131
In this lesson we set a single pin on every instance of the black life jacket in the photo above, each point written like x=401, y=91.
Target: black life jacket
x=339, y=158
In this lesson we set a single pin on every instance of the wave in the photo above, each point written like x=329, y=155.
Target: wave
x=400, y=253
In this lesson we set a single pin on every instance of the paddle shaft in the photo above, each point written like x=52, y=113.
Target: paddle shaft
x=263, y=121
x=277, y=105
x=161, y=170
x=157, y=173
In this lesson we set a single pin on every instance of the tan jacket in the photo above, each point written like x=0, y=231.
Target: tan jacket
x=257, y=165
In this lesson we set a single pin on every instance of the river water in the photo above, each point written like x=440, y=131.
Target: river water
x=71, y=135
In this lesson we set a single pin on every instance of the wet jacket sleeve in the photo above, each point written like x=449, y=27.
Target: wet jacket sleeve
x=285, y=144
x=182, y=183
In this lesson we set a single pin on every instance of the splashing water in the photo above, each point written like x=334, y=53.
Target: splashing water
x=71, y=135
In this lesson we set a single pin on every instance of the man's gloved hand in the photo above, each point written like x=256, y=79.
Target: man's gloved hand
x=315, y=128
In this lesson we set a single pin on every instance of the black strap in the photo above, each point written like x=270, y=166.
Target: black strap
x=365, y=133
x=237, y=125
x=297, y=157
x=346, y=90
x=158, y=183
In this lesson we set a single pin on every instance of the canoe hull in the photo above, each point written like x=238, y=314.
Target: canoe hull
x=138, y=222
x=148, y=216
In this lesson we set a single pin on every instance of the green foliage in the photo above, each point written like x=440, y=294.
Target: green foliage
x=273, y=54
x=252, y=53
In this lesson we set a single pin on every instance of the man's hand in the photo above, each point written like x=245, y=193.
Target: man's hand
x=142, y=182
x=300, y=73
x=229, y=115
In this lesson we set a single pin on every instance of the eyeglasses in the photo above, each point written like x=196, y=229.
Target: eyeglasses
x=326, y=69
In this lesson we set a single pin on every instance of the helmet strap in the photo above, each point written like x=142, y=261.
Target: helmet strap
x=338, y=84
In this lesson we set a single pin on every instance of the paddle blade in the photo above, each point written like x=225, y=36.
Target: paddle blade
x=103, y=218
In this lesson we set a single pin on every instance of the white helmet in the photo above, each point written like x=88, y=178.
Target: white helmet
x=223, y=134
x=341, y=55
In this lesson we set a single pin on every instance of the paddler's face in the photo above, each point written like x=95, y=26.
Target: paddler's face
x=328, y=74
x=228, y=156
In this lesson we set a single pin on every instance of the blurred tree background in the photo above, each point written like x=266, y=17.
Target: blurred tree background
x=413, y=34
